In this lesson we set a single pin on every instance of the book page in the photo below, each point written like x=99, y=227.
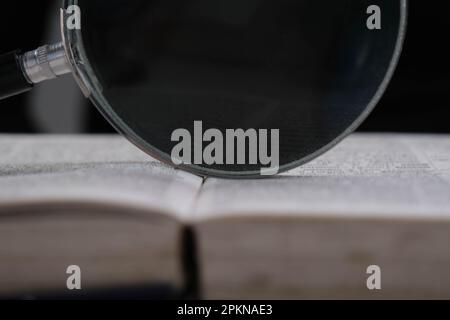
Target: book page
x=367, y=175
x=90, y=169
x=311, y=234
x=94, y=201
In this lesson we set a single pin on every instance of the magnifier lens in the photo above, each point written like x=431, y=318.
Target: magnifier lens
x=311, y=69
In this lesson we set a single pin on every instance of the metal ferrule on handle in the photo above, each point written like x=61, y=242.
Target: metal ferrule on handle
x=45, y=63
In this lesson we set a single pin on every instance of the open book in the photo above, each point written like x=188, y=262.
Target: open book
x=131, y=222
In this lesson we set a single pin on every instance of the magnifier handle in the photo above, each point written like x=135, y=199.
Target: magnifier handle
x=12, y=77
x=18, y=73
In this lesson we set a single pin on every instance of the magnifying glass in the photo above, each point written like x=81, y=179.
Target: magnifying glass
x=224, y=88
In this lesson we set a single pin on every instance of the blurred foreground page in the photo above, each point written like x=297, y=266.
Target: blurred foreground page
x=94, y=202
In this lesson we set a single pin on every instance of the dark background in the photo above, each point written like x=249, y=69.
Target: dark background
x=416, y=101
